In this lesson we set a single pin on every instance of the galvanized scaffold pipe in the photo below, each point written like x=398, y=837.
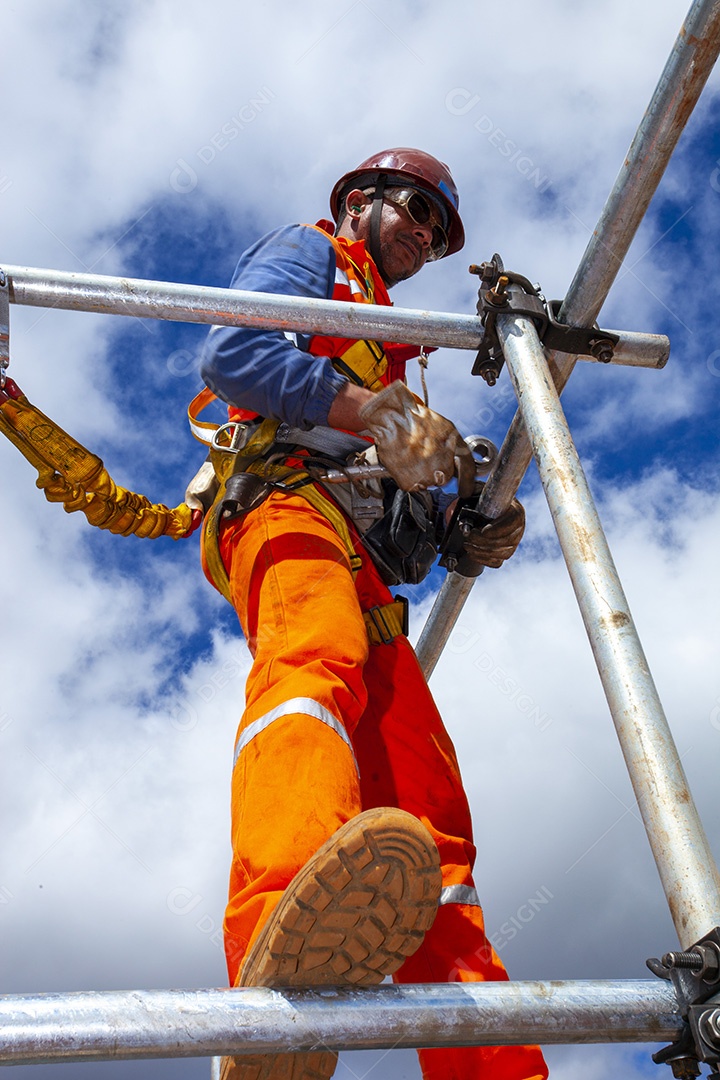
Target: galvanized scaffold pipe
x=680, y=847
x=109, y=1026
x=105, y=295
x=680, y=85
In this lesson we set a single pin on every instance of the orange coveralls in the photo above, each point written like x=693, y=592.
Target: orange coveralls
x=333, y=726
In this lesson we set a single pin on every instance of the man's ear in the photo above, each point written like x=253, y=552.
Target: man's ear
x=355, y=203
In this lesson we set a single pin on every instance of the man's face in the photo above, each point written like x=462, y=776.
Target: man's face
x=404, y=243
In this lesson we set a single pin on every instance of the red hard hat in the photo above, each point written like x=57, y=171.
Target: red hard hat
x=414, y=167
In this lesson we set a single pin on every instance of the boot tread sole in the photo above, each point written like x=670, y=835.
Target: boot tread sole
x=351, y=916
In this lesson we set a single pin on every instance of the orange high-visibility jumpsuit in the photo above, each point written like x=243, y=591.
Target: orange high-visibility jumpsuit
x=333, y=726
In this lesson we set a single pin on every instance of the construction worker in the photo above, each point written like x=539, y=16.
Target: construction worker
x=351, y=832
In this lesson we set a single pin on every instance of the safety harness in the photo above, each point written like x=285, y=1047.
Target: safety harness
x=249, y=446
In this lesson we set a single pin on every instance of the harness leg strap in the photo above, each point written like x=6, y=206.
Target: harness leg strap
x=385, y=623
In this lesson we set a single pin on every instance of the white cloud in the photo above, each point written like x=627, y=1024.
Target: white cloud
x=119, y=700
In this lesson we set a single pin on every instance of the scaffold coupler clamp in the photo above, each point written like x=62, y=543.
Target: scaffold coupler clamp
x=4, y=327
x=695, y=976
x=508, y=293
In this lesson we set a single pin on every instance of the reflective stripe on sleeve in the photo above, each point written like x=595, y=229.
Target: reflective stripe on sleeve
x=459, y=894
x=305, y=706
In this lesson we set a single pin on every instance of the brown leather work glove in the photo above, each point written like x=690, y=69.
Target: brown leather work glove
x=495, y=542
x=418, y=447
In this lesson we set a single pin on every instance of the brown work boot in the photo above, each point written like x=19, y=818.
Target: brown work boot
x=351, y=916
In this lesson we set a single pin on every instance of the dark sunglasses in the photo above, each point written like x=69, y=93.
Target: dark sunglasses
x=423, y=212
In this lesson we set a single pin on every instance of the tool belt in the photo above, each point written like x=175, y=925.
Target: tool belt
x=403, y=543
x=398, y=528
x=253, y=458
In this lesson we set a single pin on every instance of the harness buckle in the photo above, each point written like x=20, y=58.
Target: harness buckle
x=230, y=438
x=388, y=620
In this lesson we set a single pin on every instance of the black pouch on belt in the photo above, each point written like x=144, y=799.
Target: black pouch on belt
x=243, y=491
x=403, y=543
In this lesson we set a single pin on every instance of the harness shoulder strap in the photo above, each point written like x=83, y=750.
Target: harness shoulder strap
x=202, y=430
x=364, y=362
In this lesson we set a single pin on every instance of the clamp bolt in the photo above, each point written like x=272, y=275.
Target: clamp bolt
x=685, y=1068
x=690, y=961
x=703, y=960
x=710, y=1028
x=490, y=373
x=485, y=270
x=602, y=349
x=489, y=270
x=498, y=295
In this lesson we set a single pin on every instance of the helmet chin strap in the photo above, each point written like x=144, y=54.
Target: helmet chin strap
x=375, y=215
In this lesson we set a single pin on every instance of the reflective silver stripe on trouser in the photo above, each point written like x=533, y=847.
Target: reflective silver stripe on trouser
x=307, y=707
x=459, y=894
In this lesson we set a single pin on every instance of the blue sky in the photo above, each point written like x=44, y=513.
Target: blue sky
x=123, y=671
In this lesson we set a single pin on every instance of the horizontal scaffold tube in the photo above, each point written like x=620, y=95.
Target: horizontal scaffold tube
x=41, y=1028
x=202, y=304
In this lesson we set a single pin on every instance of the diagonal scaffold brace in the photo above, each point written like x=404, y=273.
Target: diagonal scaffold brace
x=684, y=1006
x=679, y=87
x=678, y=841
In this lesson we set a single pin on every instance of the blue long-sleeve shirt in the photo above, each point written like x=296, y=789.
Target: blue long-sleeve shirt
x=262, y=370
